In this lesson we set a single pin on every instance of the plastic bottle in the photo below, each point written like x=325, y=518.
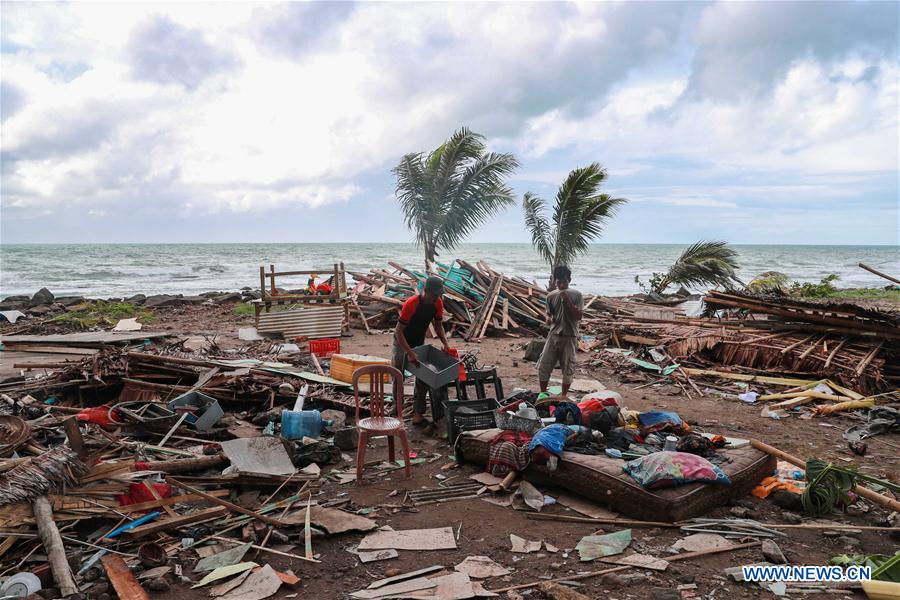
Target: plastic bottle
x=297, y=424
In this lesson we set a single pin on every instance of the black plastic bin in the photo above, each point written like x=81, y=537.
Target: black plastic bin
x=468, y=415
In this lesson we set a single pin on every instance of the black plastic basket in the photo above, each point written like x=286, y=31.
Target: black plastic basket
x=469, y=415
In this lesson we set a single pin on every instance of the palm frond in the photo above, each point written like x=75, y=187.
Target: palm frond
x=447, y=194
x=413, y=194
x=478, y=193
x=770, y=282
x=536, y=222
x=581, y=212
x=702, y=263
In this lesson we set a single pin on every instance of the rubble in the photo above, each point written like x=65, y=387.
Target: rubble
x=146, y=508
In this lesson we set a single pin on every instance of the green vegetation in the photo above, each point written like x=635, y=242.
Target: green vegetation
x=824, y=289
x=770, y=282
x=448, y=193
x=102, y=313
x=579, y=215
x=704, y=263
x=892, y=295
x=242, y=309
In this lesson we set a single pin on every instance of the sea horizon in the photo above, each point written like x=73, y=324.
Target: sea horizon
x=107, y=270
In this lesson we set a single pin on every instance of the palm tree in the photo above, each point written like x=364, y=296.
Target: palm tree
x=702, y=263
x=450, y=192
x=578, y=217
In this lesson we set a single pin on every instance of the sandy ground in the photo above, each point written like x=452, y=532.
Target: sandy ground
x=484, y=528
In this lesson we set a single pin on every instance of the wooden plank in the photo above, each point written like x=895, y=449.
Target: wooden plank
x=746, y=377
x=166, y=524
x=122, y=579
x=226, y=504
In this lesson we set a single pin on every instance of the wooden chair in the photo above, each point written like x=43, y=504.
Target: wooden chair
x=378, y=423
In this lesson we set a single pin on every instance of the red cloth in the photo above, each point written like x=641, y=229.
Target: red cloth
x=411, y=304
x=138, y=493
x=518, y=438
x=592, y=405
x=98, y=415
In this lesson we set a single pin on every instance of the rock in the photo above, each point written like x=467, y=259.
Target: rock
x=160, y=300
x=740, y=512
x=773, y=553
x=41, y=297
x=101, y=587
x=560, y=592
x=39, y=310
x=193, y=299
x=792, y=518
x=686, y=578
x=11, y=305
x=136, y=299
x=226, y=298
x=787, y=500
x=848, y=541
x=634, y=578
x=347, y=438
x=158, y=585
x=211, y=294
x=251, y=295
x=533, y=350
x=70, y=300
x=392, y=572
x=246, y=288
x=17, y=299
x=664, y=594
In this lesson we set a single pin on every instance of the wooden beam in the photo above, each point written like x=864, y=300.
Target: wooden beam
x=879, y=273
x=122, y=579
x=226, y=504
x=166, y=524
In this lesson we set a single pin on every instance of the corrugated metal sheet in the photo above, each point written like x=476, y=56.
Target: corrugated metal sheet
x=313, y=322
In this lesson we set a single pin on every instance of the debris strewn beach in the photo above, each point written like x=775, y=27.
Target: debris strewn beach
x=146, y=438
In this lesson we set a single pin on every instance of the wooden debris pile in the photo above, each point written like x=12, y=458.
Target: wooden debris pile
x=857, y=347
x=478, y=300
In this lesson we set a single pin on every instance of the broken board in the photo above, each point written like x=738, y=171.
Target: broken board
x=411, y=539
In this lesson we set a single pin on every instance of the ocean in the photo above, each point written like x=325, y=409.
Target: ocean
x=118, y=270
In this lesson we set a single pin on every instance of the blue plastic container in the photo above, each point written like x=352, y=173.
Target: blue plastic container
x=297, y=424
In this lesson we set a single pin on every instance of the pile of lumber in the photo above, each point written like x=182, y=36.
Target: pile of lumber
x=855, y=346
x=478, y=300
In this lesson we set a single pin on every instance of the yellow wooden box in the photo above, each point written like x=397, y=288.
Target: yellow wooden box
x=344, y=365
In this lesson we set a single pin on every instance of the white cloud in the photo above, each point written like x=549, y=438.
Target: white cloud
x=185, y=108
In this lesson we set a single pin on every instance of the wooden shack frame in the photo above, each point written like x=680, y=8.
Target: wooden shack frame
x=270, y=295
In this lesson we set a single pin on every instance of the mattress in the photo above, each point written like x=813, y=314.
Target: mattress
x=601, y=479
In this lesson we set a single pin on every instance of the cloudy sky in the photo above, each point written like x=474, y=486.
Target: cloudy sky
x=754, y=122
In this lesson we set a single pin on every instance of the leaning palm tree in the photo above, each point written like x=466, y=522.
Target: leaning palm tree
x=578, y=217
x=448, y=193
x=702, y=263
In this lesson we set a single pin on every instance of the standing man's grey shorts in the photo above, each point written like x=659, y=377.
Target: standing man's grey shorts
x=558, y=350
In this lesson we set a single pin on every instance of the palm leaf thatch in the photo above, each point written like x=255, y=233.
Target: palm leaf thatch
x=447, y=194
x=578, y=217
x=703, y=263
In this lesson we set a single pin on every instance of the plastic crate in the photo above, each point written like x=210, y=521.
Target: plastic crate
x=344, y=365
x=324, y=348
x=436, y=368
x=468, y=416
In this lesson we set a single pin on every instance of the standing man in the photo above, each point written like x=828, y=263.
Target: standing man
x=564, y=311
x=417, y=314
